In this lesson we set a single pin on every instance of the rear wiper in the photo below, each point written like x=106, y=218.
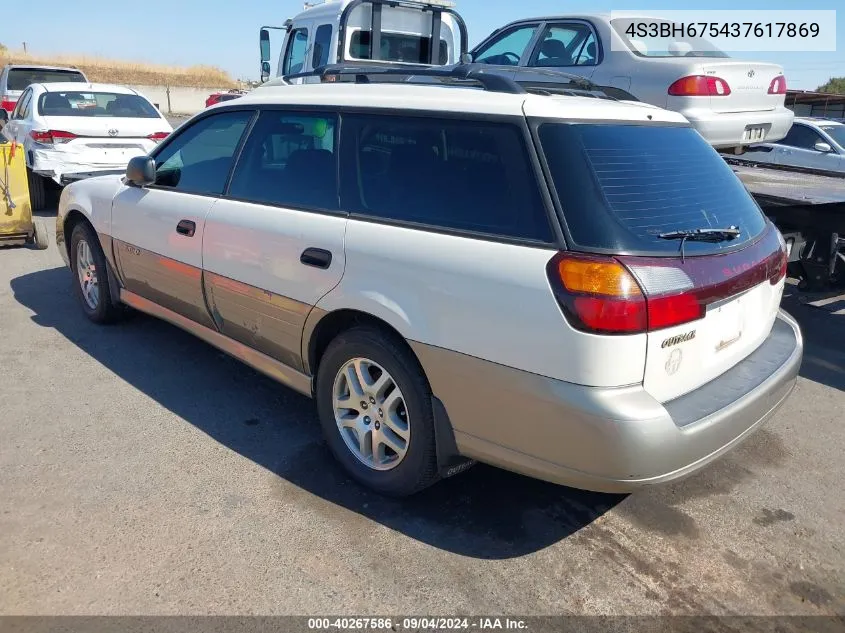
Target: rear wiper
x=701, y=235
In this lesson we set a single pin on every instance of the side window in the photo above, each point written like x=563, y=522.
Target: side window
x=322, y=44
x=296, y=51
x=508, y=48
x=289, y=159
x=802, y=137
x=22, y=108
x=198, y=160
x=459, y=175
x=566, y=45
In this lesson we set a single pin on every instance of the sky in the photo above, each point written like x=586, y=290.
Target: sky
x=225, y=34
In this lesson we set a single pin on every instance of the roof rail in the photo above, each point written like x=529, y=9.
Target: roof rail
x=460, y=75
x=452, y=74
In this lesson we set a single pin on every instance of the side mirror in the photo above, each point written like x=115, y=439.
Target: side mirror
x=141, y=171
x=4, y=117
x=265, y=71
x=823, y=147
x=264, y=39
x=467, y=58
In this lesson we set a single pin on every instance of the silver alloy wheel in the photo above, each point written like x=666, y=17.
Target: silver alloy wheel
x=371, y=414
x=86, y=269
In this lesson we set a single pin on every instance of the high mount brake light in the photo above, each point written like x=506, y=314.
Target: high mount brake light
x=700, y=86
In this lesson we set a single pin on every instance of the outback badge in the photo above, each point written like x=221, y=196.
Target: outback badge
x=677, y=340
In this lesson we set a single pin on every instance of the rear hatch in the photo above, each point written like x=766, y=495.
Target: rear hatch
x=705, y=306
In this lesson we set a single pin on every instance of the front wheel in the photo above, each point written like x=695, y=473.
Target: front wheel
x=90, y=273
x=375, y=409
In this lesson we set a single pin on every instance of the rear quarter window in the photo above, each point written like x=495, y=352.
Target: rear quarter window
x=621, y=186
x=467, y=176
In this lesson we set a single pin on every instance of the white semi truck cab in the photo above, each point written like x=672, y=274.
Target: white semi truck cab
x=367, y=32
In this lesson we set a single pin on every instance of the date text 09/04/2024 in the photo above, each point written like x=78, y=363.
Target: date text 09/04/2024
x=416, y=624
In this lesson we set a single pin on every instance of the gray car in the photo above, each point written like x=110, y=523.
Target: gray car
x=816, y=144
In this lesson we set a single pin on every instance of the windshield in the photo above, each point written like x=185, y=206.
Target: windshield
x=397, y=47
x=836, y=132
x=95, y=104
x=621, y=186
x=638, y=36
x=21, y=78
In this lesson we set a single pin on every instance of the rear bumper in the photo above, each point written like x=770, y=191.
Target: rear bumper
x=726, y=129
x=610, y=440
x=60, y=167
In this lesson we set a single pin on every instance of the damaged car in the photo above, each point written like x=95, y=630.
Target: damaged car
x=72, y=131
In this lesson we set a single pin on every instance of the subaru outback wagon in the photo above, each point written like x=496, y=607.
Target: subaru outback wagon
x=572, y=288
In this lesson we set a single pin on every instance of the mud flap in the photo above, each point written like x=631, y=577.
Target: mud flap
x=449, y=461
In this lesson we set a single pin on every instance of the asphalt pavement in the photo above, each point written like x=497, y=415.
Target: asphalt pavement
x=143, y=472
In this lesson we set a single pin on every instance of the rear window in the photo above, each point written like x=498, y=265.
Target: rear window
x=21, y=78
x=397, y=47
x=621, y=186
x=95, y=104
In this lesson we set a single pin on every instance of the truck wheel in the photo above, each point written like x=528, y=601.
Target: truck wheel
x=37, y=190
x=40, y=237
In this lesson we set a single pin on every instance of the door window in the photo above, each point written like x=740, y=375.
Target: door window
x=322, y=45
x=455, y=175
x=802, y=137
x=289, y=160
x=296, y=53
x=566, y=45
x=198, y=159
x=508, y=48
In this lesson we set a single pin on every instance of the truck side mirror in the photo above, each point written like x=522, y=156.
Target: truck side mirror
x=264, y=38
x=265, y=71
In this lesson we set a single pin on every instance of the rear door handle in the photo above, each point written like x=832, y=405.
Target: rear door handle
x=186, y=227
x=316, y=257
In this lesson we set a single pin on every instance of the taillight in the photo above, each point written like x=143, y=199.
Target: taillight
x=778, y=86
x=8, y=105
x=700, y=86
x=602, y=295
x=51, y=137
x=158, y=136
x=628, y=294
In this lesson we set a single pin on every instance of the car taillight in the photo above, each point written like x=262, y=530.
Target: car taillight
x=8, y=105
x=158, y=136
x=778, y=86
x=629, y=294
x=51, y=137
x=700, y=86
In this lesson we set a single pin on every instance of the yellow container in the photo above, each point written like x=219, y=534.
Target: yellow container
x=17, y=225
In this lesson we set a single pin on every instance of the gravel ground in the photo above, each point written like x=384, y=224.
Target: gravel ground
x=143, y=472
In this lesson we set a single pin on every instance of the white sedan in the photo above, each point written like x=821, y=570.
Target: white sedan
x=72, y=131
x=731, y=103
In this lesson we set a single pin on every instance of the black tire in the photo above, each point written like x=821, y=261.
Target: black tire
x=40, y=237
x=418, y=469
x=37, y=190
x=108, y=310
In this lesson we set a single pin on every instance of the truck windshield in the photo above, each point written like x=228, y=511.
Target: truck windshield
x=397, y=47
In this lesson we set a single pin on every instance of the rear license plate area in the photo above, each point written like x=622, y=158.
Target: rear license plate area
x=754, y=133
x=726, y=325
